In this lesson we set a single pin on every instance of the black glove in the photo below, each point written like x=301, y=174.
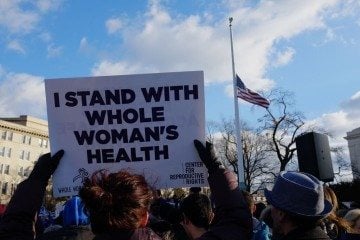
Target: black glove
x=207, y=155
x=46, y=166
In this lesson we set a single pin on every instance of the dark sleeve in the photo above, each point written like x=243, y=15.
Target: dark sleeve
x=18, y=221
x=232, y=218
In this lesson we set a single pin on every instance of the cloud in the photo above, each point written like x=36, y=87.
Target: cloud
x=84, y=45
x=16, y=46
x=342, y=121
x=22, y=93
x=113, y=25
x=53, y=51
x=166, y=42
x=48, y=5
x=284, y=57
x=22, y=17
x=352, y=106
x=117, y=68
x=46, y=37
x=15, y=19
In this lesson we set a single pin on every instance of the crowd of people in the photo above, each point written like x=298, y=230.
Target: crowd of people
x=123, y=206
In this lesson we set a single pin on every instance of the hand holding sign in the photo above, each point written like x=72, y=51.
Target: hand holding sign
x=207, y=155
x=46, y=166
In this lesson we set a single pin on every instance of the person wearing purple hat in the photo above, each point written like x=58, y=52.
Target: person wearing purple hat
x=298, y=205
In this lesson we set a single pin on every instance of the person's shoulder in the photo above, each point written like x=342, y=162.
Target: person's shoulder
x=350, y=236
x=145, y=233
x=224, y=233
x=209, y=235
x=71, y=232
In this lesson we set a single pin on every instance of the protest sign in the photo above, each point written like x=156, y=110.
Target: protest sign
x=144, y=123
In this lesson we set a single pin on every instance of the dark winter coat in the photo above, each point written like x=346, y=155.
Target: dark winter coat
x=350, y=236
x=138, y=234
x=315, y=233
x=232, y=218
x=18, y=222
x=68, y=233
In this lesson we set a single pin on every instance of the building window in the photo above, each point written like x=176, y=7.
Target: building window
x=21, y=171
x=27, y=172
x=7, y=169
x=26, y=140
x=1, y=168
x=2, y=151
x=5, y=152
x=22, y=154
x=13, y=187
x=4, y=188
x=7, y=135
x=10, y=136
x=43, y=143
x=8, y=152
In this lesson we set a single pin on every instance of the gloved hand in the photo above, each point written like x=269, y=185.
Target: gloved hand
x=207, y=155
x=46, y=166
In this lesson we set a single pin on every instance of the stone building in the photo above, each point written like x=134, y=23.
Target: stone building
x=22, y=140
x=353, y=139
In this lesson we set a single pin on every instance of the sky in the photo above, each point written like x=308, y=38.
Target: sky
x=311, y=48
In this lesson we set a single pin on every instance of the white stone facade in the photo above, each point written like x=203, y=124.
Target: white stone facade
x=22, y=140
x=353, y=139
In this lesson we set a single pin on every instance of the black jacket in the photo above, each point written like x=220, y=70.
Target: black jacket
x=232, y=218
x=307, y=234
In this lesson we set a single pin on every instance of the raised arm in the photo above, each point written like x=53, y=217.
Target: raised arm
x=232, y=216
x=18, y=221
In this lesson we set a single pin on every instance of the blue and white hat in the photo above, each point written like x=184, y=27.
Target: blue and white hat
x=299, y=193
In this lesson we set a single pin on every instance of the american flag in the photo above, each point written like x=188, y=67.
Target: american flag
x=250, y=96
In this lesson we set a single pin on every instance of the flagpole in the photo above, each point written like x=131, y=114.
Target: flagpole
x=237, y=120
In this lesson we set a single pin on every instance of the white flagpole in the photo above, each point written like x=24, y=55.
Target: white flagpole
x=237, y=120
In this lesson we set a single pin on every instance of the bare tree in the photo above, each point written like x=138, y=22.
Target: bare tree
x=342, y=165
x=226, y=145
x=282, y=124
x=253, y=147
x=255, y=158
x=211, y=129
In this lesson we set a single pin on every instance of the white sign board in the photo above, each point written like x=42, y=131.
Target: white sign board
x=143, y=123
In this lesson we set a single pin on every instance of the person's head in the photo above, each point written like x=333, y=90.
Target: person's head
x=249, y=201
x=194, y=190
x=297, y=200
x=74, y=214
x=196, y=213
x=353, y=217
x=158, y=193
x=259, y=207
x=116, y=201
